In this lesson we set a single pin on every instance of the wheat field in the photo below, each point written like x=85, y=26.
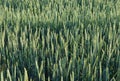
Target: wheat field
x=59, y=40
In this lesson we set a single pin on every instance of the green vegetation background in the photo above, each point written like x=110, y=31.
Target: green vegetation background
x=60, y=40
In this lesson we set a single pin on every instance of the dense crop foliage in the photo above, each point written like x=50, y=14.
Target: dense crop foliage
x=59, y=40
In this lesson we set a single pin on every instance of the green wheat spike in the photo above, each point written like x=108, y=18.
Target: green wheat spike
x=26, y=75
